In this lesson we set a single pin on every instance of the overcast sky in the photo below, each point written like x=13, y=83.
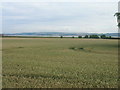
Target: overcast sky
x=59, y=0
x=95, y=17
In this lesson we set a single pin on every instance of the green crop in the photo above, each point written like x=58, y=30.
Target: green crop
x=59, y=63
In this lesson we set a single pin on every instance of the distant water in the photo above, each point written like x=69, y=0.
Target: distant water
x=43, y=35
x=54, y=36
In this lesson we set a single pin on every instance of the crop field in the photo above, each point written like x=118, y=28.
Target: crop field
x=59, y=63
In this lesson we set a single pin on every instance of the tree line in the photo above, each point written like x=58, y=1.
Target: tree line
x=92, y=36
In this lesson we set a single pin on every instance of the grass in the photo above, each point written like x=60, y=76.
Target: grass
x=59, y=63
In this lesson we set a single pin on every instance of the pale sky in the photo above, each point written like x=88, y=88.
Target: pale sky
x=97, y=17
x=59, y=0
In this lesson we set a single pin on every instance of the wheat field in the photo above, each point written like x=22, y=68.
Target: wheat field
x=59, y=63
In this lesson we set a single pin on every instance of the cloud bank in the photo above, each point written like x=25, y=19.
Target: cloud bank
x=59, y=17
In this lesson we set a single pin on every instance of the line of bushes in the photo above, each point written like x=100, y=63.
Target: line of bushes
x=86, y=36
x=92, y=36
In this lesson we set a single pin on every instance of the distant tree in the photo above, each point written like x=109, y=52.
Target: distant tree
x=103, y=36
x=94, y=36
x=72, y=36
x=79, y=36
x=61, y=36
x=108, y=37
x=86, y=36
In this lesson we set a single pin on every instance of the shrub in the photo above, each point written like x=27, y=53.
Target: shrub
x=103, y=36
x=79, y=36
x=86, y=36
x=108, y=37
x=73, y=37
x=94, y=36
x=61, y=36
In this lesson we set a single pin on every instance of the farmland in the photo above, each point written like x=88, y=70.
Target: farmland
x=59, y=63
